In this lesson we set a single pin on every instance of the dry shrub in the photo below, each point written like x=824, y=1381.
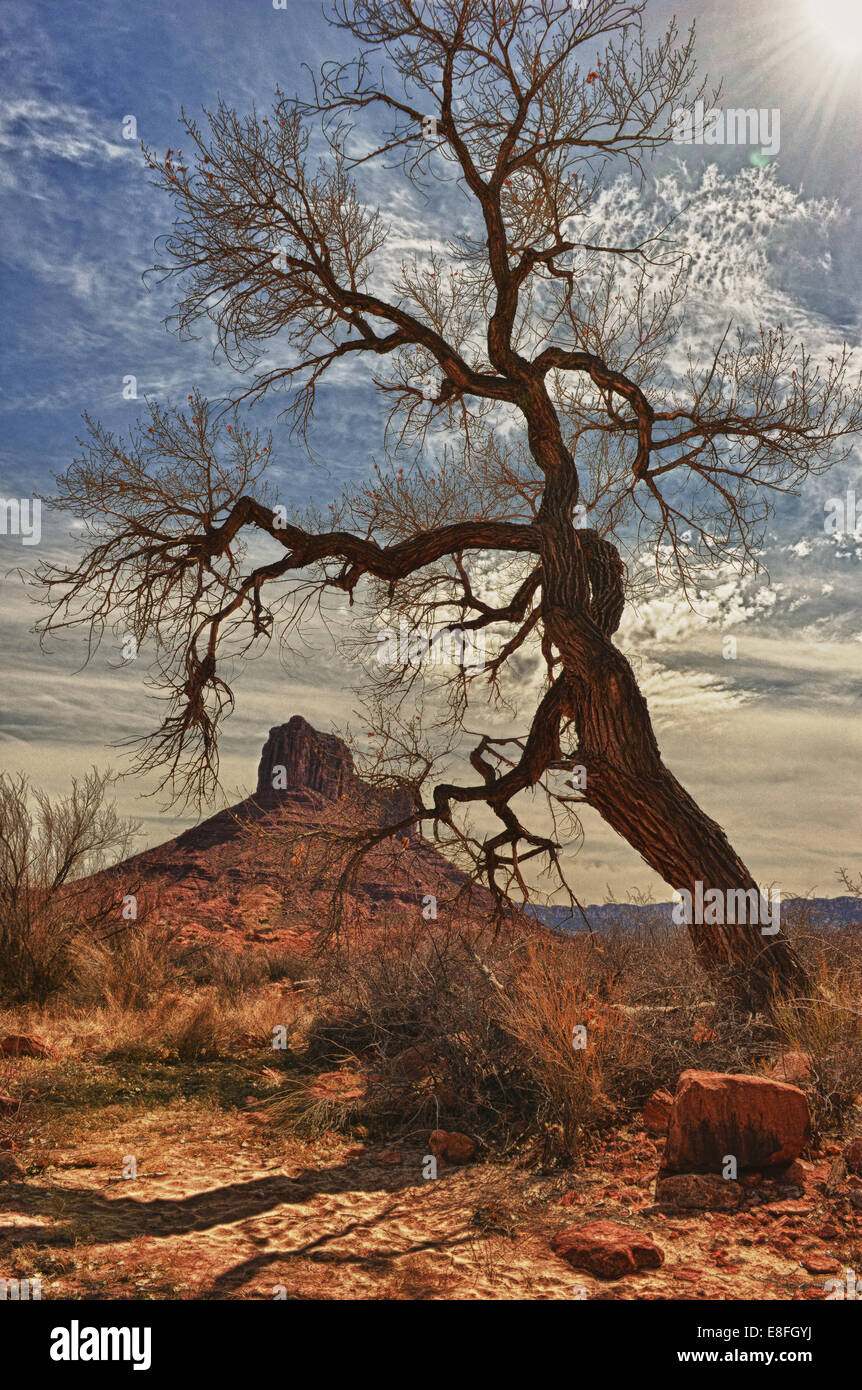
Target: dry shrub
x=193, y=1027
x=129, y=971
x=308, y=1108
x=467, y=1031
x=238, y=973
x=573, y=1048
x=479, y=1031
x=48, y=902
x=828, y=1029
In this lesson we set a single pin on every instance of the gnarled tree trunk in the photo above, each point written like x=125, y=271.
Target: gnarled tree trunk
x=626, y=780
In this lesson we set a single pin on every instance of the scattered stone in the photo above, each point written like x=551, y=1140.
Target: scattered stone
x=25, y=1045
x=818, y=1262
x=339, y=1085
x=416, y=1062
x=446, y=1096
x=10, y=1168
x=452, y=1146
x=762, y=1123
x=796, y=1174
x=607, y=1249
x=792, y=1067
x=792, y=1206
x=699, y=1192
x=656, y=1112
x=853, y=1155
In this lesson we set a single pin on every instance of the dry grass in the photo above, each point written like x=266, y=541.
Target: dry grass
x=452, y=1028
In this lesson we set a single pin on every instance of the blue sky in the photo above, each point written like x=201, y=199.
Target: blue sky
x=768, y=742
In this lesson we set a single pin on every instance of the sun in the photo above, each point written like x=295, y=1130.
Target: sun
x=839, y=22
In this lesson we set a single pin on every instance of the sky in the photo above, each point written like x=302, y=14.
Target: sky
x=768, y=741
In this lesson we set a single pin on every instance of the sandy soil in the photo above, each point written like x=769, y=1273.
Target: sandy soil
x=224, y=1208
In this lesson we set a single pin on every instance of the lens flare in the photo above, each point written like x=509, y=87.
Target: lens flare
x=839, y=22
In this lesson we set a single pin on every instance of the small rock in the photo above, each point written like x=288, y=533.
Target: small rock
x=656, y=1112
x=417, y=1061
x=452, y=1146
x=792, y=1067
x=446, y=1096
x=796, y=1174
x=853, y=1155
x=338, y=1086
x=792, y=1206
x=10, y=1168
x=699, y=1191
x=607, y=1249
x=25, y=1045
x=818, y=1262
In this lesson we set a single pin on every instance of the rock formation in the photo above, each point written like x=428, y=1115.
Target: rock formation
x=295, y=756
x=245, y=873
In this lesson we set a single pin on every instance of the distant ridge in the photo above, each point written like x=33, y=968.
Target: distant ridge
x=825, y=913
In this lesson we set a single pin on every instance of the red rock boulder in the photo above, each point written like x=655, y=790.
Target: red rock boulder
x=656, y=1112
x=761, y=1122
x=25, y=1045
x=451, y=1146
x=607, y=1249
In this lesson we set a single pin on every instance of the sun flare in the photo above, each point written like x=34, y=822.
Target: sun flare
x=839, y=22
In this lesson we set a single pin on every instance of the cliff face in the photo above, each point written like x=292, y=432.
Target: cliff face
x=296, y=756
x=256, y=872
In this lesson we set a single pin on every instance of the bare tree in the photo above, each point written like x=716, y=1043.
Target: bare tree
x=526, y=319
x=48, y=850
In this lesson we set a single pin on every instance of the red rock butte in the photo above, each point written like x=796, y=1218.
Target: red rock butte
x=264, y=870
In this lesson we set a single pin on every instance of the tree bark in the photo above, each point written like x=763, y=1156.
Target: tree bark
x=626, y=779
